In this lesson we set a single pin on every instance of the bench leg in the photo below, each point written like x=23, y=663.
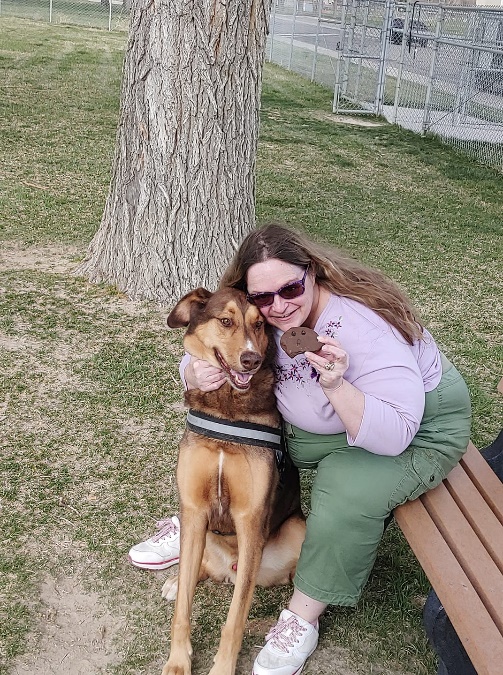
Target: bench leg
x=493, y=455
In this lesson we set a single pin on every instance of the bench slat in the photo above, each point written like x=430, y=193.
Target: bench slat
x=487, y=482
x=478, y=513
x=475, y=561
x=475, y=628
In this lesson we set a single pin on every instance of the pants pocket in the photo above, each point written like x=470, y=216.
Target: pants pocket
x=421, y=472
x=428, y=471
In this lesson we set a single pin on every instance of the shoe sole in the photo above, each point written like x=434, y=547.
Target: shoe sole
x=297, y=672
x=154, y=566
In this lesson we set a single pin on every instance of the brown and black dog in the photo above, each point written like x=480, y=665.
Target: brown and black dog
x=240, y=512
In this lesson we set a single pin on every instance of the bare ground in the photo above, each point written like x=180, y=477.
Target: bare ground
x=75, y=633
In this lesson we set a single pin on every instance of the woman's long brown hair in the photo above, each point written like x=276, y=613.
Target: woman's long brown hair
x=333, y=269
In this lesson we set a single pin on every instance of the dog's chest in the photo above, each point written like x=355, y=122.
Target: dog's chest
x=237, y=482
x=228, y=466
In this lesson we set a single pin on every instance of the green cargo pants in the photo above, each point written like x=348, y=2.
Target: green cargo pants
x=354, y=490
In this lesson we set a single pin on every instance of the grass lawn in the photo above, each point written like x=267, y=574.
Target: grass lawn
x=89, y=390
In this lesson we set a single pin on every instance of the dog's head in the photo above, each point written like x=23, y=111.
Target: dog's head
x=224, y=329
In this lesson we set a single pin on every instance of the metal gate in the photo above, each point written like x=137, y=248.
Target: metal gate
x=428, y=68
x=360, y=76
x=422, y=63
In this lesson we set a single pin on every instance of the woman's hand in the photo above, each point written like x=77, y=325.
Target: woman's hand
x=331, y=362
x=202, y=375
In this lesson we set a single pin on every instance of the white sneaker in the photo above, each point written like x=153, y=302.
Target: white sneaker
x=289, y=644
x=160, y=551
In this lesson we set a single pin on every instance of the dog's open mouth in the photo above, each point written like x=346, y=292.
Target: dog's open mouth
x=237, y=379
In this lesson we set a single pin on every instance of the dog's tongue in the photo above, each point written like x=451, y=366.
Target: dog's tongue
x=243, y=378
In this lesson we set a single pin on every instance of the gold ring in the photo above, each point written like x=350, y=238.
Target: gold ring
x=330, y=365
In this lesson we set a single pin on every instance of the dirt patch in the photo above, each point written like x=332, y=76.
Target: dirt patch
x=358, y=121
x=20, y=344
x=347, y=119
x=56, y=259
x=75, y=632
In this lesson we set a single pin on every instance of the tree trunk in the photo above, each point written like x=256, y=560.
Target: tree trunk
x=182, y=193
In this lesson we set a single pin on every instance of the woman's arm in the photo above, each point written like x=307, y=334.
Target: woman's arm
x=383, y=408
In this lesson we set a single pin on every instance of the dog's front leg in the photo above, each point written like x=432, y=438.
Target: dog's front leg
x=192, y=541
x=250, y=545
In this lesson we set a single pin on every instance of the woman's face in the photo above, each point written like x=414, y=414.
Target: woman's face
x=273, y=275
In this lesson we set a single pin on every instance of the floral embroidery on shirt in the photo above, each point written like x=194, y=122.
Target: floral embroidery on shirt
x=301, y=370
x=332, y=326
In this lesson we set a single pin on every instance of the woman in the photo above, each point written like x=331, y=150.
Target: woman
x=378, y=412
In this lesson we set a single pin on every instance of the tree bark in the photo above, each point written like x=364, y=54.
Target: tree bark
x=182, y=192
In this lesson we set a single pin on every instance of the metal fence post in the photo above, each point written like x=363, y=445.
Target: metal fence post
x=381, y=82
x=315, y=59
x=295, y=8
x=272, y=29
x=349, y=47
x=431, y=78
x=398, y=84
x=338, y=69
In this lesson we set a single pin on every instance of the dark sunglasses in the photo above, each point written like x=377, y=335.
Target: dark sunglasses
x=292, y=290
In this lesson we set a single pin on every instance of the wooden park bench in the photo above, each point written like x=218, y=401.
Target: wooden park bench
x=456, y=533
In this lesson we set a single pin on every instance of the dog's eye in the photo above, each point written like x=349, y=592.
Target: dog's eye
x=226, y=322
x=258, y=325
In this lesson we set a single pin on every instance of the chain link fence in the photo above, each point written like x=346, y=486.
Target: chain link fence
x=429, y=68
x=107, y=14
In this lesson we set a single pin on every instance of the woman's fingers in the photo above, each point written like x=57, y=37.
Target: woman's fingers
x=207, y=377
x=331, y=361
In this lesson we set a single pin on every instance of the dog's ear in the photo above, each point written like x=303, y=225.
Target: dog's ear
x=179, y=316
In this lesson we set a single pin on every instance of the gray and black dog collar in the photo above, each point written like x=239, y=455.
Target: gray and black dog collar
x=246, y=433
x=235, y=432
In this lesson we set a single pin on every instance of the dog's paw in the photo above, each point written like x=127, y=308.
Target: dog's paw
x=170, y=588
x=170, y=669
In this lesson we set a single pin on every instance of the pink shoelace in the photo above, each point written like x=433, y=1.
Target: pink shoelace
x=166, y=527
x=285, y=634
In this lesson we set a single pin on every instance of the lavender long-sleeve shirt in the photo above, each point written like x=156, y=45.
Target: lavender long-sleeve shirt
x=392, y=375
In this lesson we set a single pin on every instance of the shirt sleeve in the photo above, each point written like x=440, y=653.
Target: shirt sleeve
x=183, y=364
x=394, y=398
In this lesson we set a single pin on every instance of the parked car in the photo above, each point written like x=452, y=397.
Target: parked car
x=397, y=33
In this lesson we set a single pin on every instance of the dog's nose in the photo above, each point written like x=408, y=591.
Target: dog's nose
x=250, y=360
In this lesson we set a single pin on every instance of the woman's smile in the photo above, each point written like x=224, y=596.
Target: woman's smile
x=272, y=276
